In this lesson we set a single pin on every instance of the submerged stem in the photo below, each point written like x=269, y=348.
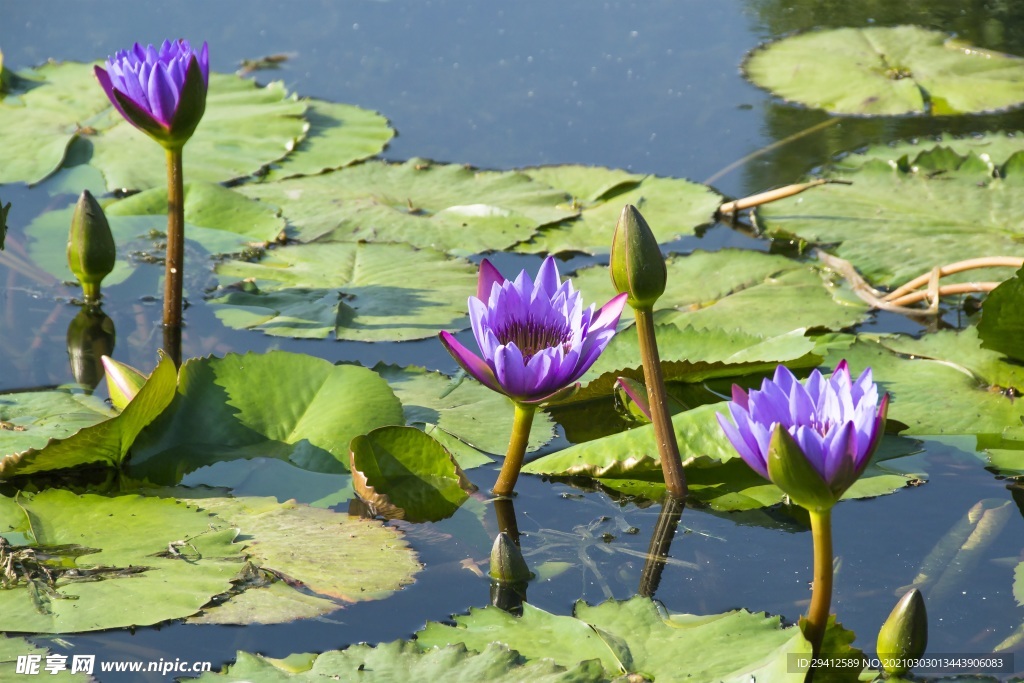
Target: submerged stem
x=821, y=590
x=521, y=424
x=668, y=449
x=175, y=259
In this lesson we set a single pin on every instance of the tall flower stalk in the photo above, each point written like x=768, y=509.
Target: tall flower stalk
x=162, y=92
x=638, y=271
x=535, y=341
x=812, y=441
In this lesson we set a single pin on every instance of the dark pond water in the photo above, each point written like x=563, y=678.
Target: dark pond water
x=650, y=86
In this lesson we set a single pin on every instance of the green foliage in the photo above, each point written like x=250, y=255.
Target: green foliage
x=1001, y=327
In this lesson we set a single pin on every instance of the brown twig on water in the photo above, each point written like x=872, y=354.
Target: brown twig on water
x=773, y=196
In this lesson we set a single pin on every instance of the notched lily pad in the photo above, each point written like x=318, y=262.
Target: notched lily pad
x=877, y=71
x=85, y=563
x=360, y=292
x=451, y=208
x=672, y=207
x=402, y=473
x=911, y=208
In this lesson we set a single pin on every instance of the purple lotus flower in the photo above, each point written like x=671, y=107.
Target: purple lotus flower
x=161, y=92
x=835, y=422
x=534, y=335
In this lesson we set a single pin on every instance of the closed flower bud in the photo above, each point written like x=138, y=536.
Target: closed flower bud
x=123, y=382
x=637, y=265
x=904, y=635
x=91, y=250
x=507, y=562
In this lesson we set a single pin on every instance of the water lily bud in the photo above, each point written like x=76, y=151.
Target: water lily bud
x=507, y=562
x=637, y=265
x=90, y=337
x=789, y=469
x=123, y=382
x=91, y=250
x=904, y=635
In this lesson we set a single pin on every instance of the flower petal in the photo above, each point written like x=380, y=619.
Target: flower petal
x=470, y=362
x=486, y=279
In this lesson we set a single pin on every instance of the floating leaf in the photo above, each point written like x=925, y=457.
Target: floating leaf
x=158, y=560
x=104, y=442
x=333, y=557
x=403, y=661
x=673, y=207
x=282, y=405
x=402, y=473
x=339, y=134
x=362, y=292
x=451, y=208
x=632, y=636
x=470, y=411
x=1001, y=327
x=747, y=291
x=220, y=220
x=904, y=215
x=245, y=127
x=878, y=71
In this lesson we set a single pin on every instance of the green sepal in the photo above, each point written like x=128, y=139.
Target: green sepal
x=637, y=265
x=789, y=469
x=507, y=561
x=904, y=635
x=91, y=249
x=123, y=381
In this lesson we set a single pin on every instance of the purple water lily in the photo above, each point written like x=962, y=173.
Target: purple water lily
x=160, y=91
x=836, y=422
x=534, y=335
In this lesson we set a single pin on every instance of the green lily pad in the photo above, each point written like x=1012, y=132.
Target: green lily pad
x=159, y=560
x=673, y=207
x=632, y=636
x=1001, y=327
x=943, y=383
x=402, y=473
x=283, y=405
x=907, y=212
x=13, y=648
x=881, y=71
x=245, y=127
x=629, y=462
x=470, y=412
x=360, y=292
x=732, y=289
x=451, y=208
x=338, y=135
x=104, y=442
x=403, y=661
x=300, y=545
x=220, y=220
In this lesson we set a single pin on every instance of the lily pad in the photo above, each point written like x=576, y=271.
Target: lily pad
x=880, y=71
x=360, y=292
x=284, y=405
x=322, y=559
x=245, y=127
x=1001, y=327
x=11, y=649
x=220, y=220
x=402, y=473
x=451, y=208
x=906, y=213
x=158, y=559
x=403, y=661
x=632, y=636
x=732, y=289
x=673, y=207
x=943, y=383
x=629, y=462
x=105, y=442
x=338, y=135
x=469, y=411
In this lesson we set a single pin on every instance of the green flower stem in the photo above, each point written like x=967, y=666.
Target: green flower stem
x=821, y=590
x=521, y=424
x=175, y=260
x=668, y=449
